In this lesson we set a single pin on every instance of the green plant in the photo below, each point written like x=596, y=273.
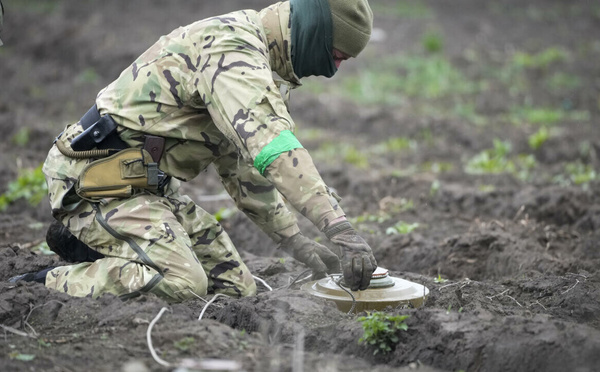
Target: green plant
x=89, y=75
x=396, y=144
x=561, y=81
x=468, y=112
x=348, y=152
x=525, y=164
x=185, y=343
x=537, y=139
x=580, y=173
x=432, y=42
x=225, y=213
x=401, y=228
x=436, y=166
x=22, y=357
x=380, y=330
x=486, y=188
x=492, y=160
x=576, y=173
x=21, y=138
x=43, y=343
x=496, y=160
x=30, y=185
x=435, y=188
x=439, y=279
x=43, y=249
x=540, y=60
x=379, y=218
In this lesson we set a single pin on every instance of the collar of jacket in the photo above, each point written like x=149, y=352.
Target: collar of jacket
x=276, y=21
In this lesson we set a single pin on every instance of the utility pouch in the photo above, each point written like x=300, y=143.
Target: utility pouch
x=119, y=175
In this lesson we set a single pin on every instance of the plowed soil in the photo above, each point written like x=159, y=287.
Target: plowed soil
x=520, y=256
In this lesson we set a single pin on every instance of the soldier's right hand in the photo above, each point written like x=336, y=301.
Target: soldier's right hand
x=314, y=255
x=358, y=262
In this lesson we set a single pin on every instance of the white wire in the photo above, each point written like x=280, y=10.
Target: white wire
x=263, y=282
x=208, y=304
x=149, y=339
x=219, y=294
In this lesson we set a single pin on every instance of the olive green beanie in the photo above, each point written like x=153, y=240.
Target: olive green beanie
x=352, y=24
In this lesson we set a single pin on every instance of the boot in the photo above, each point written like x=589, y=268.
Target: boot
x=39, y=276
x=67, y=246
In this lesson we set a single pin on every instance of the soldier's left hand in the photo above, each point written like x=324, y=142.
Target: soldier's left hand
x=314, y=255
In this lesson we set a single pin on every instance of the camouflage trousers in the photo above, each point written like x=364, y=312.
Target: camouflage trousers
x=166, y=245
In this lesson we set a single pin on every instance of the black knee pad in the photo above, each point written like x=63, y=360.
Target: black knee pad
x=67, y=246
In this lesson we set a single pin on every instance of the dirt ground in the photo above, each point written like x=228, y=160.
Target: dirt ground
x=521, y=255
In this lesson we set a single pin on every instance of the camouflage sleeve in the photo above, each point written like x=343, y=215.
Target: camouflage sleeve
x=238, y=89
x=237, y=86
x=300, y=183
x=257, y=198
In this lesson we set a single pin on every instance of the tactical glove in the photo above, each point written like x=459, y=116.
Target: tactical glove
x=357, y=258
x=314, y=255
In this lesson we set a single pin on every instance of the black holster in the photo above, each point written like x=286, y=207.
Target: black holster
x=99, y=132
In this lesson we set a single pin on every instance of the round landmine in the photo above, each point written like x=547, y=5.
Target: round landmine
x=383, y=291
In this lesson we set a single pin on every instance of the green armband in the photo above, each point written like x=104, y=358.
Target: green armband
x=285, y=142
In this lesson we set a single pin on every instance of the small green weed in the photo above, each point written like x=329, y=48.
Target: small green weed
x=577, y=173
x=435, y=188
x=439, y=279
x=436, y=166
x=396, y=144
x=89, y=75
x=544, y=115
x=432, y=42
x=30, y=185
x=378, y=218
x=468, y=112
x=496, y=160
x=380, y=330
x=492, y=160
x=21, y=138
x=486, y=188
x=392, y=79
x=537, y=139
x=401, y=228
x=542, y=59
x=43, y=249
x=185, y=343
x=432, y=77
x=225, y=213
x=560, y=81
x=348, y=152
x=536, y=115
x=22, y=357
x=43, y=343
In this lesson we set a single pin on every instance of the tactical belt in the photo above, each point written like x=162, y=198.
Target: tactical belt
x=119, y=169
x=100, y=132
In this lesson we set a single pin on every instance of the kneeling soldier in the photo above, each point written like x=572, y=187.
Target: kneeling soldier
x=203, y=94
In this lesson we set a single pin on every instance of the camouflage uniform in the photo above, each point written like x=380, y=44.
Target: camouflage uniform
x=208, y=88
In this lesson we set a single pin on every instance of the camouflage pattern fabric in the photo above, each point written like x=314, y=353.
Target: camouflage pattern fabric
x=208, y=88
x=167, y=245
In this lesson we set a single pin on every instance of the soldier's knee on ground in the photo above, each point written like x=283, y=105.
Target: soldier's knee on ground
x=181, y=288
x=249, y=290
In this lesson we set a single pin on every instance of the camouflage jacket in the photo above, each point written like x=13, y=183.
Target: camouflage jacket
x=208, y=88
